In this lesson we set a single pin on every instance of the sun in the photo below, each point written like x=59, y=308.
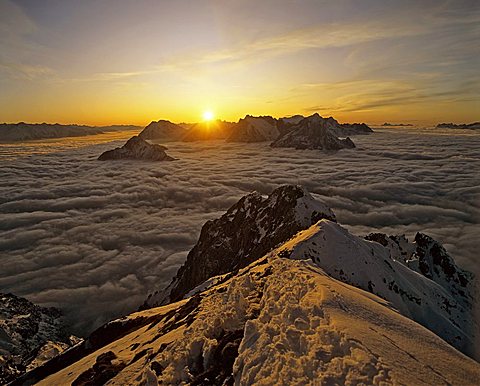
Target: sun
x=208, y=115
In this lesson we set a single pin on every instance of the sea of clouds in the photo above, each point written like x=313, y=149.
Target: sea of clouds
x=94, y=238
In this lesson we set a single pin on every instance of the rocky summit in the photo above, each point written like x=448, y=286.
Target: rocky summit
x=314, y=132
x=138, y=149
x=248, y=230
x=254, y=129
x=285, y=295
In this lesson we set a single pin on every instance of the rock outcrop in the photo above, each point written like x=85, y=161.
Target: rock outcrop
x=209, y=131
x=254, y=129
x=314, y=132
x=248, y=230
x=138, y=149
x=29, y=336
x=429, y=258
x=162, y=130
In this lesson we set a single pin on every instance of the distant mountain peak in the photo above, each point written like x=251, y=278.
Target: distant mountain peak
x=314, y=132
x=162, y=130
x=139, y=149
x=254, y=129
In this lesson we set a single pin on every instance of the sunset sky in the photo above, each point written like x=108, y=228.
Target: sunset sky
x=119, y=61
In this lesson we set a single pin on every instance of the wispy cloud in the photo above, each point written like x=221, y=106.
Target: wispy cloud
x=25, y=71
x=367, y=95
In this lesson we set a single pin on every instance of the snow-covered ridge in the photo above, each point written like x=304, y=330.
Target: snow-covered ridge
x=420, y=279
x=439, y=302
x=248, y=230
x=321, y=306
x=277, y=321
x=428, y=257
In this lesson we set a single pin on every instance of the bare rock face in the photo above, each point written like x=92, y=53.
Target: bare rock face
x=314, y=132
x=247, y=231
x=29, y=336
x=284, y=125
x=428, y=257
x=138, y=149
x=209, y=131
x=452, y=303
x=254, y=129
x=162, y=130
x=293, y=120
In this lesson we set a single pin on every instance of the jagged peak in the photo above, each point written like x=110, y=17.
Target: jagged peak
x=435, y=263
x=137, y=148
x=428, y=257
x=248, y=230
x=161, y=121
x=368, y=264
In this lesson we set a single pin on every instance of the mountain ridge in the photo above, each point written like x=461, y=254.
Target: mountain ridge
x=316, y=304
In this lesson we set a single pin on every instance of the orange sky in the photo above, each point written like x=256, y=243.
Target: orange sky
x=133, y=62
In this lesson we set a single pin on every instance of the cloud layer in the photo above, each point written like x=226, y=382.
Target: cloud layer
x=95, y=238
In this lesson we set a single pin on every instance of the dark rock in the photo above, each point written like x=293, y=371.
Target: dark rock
x=247, y=231
x=314, y=132
x=436, y=264
x=102, y=371
x=24, y=329
x=139, y=149
x=220, y=371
